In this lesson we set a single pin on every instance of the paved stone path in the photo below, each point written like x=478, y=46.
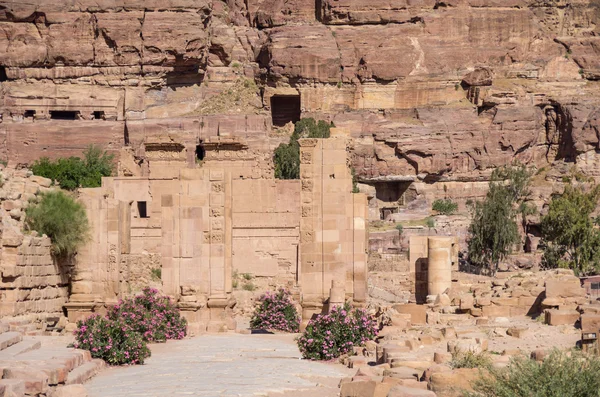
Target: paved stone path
x=216, y=366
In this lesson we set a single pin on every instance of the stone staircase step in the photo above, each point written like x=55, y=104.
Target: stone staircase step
x=4, y=327
x=84, y=372
x=12, y=388
x=72, y=358
x=35, y=380
x=9, y=338
x=24, y=346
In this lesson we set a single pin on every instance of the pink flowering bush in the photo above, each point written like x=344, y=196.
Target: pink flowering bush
x=152, y=315
x=276, y=311
x=114, y=341
x=328, y=336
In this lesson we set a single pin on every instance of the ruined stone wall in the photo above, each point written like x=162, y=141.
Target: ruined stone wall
x=266, y=216
x=33, y=282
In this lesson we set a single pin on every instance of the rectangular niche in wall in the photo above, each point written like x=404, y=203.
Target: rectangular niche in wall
x=142, y=207
x=285, y=109
x=64, y=115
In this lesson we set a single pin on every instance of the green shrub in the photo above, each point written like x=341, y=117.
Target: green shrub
x=470, y=359
x=561, y=374
x=287, y=155
x=446, y=207
x=328, y=336
x=73, y=172
x=114, y=341
x=276, y=311
x=60, y=217
x=430, y=222
x=249, y=286
x=400, y=228
x=156, y=274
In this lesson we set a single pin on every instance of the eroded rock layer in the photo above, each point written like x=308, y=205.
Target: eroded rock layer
x=431, y=90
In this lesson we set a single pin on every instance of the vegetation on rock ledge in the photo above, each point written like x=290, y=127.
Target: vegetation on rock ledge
x=73, y=172
x=287, y=155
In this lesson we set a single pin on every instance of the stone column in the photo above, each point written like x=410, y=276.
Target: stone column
x=359, y=272
x=439, y=272
x=311, y=224
x=220, y=275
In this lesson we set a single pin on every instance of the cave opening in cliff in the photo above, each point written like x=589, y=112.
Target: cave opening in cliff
x=29, y=114
x=285, y=109
x=3, y=76
x=99, y=115
x=391, y=196
x=64, y=115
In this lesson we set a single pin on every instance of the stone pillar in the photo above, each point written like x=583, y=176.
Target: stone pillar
x=359, y=272
x=333, y=237
x=439, y=272
x=95, y=274
x=220, y=254
x=311, y=226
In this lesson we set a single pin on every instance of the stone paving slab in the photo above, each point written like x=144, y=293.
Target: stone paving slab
x=216, y=366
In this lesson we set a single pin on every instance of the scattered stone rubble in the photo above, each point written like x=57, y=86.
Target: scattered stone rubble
x=412, y=354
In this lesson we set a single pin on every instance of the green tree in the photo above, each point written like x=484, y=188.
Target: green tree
x=60, y=217
x=494, y=230
x=287, y=155
x=568, y=231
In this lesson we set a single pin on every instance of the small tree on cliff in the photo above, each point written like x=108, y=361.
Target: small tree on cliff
x=568, y=232
x=287, y=155
x=494, y=230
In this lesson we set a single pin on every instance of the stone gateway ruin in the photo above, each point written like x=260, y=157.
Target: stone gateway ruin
x=423, y=101
x=198, y=224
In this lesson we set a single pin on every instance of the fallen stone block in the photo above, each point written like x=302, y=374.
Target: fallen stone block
x=454, y=383
x=561, y=317
x=403, y=391
x=518, y=332
x=418, y=313
x=403, y=373
x=12, y=387
x=564, y=287
x=590, y=322
x=365, y=389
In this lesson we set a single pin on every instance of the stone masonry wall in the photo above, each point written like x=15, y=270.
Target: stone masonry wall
x=32, y=282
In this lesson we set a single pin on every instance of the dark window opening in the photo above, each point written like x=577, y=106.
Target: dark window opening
x=29, y=114
x=387, y=211
x=285, y=109
x=64, y=115
x=200, y=152
x=595, y=286
x=142, y=209
x=3, y=76
x=99, y=115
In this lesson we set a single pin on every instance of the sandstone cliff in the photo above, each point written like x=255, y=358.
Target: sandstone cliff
x=429, y=89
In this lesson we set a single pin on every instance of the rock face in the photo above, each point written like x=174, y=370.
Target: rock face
x=428, y=89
